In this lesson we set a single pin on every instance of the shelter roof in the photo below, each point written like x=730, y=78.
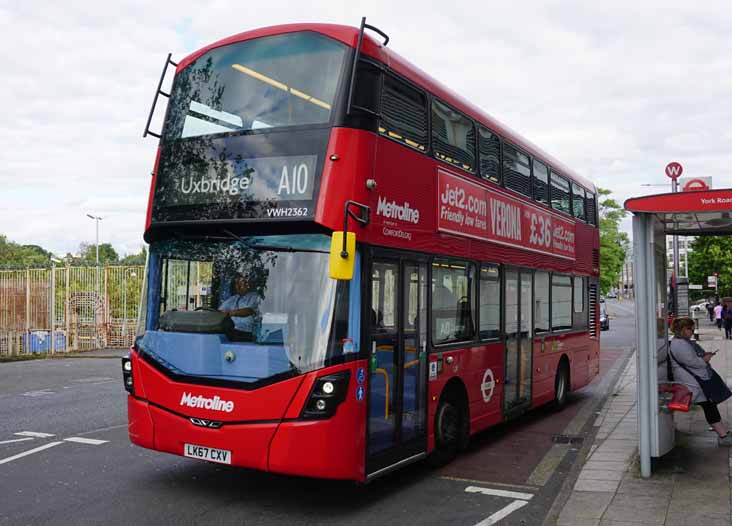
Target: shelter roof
x=703, y=212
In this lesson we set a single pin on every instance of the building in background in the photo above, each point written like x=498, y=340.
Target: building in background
x=626, y=274
x=684, y=250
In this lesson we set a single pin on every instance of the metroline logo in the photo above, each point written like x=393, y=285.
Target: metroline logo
x=393, y=210
x=214, y=404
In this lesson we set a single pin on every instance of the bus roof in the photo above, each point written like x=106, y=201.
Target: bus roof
x=373, y=48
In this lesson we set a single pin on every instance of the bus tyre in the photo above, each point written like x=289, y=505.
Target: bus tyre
x=448, y=429
x=561, y=385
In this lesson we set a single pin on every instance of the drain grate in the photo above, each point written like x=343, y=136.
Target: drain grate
x=567, y=439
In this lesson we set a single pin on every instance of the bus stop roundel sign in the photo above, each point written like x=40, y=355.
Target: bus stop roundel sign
x=674, y=170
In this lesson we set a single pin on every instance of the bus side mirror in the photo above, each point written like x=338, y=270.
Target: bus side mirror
x=342, y=261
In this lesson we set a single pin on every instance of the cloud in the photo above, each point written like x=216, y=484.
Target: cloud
x=614, y=90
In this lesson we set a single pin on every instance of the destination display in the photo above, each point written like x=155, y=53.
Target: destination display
x=225, y=184
x=468, y=209
x=257, y=176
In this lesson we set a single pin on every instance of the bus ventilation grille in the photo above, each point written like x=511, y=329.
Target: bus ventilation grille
x=593, y=310
x=595, y=258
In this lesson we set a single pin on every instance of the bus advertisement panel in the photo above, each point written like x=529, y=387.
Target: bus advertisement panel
x=468, y=209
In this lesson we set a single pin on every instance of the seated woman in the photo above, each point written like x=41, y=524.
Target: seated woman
x=689, y=360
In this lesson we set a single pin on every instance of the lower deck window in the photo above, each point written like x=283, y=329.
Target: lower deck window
x=452, y=302
x=490, y=302
x=561, y=302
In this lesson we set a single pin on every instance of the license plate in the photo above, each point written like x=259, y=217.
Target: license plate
x=222, y=456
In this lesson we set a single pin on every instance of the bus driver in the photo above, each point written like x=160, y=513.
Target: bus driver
x=242, y=305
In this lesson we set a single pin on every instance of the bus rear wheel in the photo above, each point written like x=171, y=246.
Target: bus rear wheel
x=561, y=385
x=448, y=432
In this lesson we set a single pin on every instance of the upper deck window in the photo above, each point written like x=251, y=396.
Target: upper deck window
x=516, y=170
x=560, y=193
x=403, y=113
x=578, y=201
x=541, y=182
x=268, y=82
x=489, y=146
x=453, y=136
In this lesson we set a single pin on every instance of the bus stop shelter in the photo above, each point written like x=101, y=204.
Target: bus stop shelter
x=696, y=213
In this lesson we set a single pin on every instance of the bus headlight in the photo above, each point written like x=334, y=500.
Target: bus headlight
x=326, y=395
x=127, y=374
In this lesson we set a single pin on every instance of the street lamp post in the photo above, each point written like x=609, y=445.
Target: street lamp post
x=124, y=301
x=96, y=220
x=96, y=278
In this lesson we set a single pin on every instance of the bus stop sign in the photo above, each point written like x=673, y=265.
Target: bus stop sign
x=691, y=184
x=674, y=170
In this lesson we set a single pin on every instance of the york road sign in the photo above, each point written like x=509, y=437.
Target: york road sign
x=674, y=170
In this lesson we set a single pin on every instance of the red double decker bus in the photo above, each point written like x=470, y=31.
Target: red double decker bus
x=466, y=262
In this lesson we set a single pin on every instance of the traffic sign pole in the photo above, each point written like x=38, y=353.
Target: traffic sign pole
x=674, y=171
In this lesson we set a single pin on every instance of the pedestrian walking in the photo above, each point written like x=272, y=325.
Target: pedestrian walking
x=718, y=315
x=710, y=310
x=727, y=321
x=690, y=363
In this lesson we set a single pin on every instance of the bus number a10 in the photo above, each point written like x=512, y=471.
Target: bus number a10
x=294, y=181
x=541, y=231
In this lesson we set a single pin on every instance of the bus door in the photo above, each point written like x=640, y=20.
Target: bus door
x=398, y=363
x=519, y=332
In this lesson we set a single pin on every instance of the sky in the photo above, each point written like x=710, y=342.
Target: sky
x=615, y=90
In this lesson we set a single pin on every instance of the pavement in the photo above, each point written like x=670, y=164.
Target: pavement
x=691, y=485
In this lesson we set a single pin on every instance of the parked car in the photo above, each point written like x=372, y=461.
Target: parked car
x=699, y=307
x=612, y=295
x=604, y=318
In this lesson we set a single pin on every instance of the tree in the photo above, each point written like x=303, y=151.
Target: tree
x=135, y=259
x=16, y=255
x=107, y=253
x=710, y=254
x=613, y=242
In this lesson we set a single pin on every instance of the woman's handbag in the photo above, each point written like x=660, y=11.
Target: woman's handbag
x=715, y=389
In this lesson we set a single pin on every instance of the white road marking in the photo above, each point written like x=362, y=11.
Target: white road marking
x=15, y=440
x=29, y=452
x=93, y=379
x=499, y=493
x=502, y=513
x=43, y=392
x=34, y=434
x=89, y=441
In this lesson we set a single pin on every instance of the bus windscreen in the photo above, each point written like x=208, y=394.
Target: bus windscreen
x=244, y=310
